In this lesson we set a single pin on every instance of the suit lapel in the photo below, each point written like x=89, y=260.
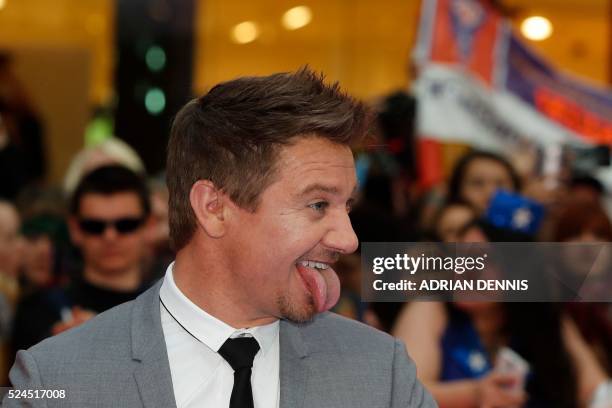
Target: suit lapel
x=154, y=384
x=152, y=375
x=294, y=370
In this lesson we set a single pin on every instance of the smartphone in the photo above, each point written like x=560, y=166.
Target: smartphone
x=514, y=212
x=509, y=362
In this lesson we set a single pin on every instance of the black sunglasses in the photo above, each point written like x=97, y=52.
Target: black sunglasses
x=95, y=226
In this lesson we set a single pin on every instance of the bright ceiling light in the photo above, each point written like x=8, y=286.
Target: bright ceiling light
x=536, y=28
x=296, y=17
x=245, y=32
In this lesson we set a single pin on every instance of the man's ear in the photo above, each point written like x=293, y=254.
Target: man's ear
x=208, y=204
x=76, y=236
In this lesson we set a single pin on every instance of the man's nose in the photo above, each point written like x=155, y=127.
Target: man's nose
x=110, y=233
x=341, y=237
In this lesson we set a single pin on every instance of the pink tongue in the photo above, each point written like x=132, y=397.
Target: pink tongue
x=324, y=286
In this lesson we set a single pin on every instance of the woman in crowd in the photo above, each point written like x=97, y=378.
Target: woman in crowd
x=455, y=345
x=451, y=220
x=477, y=176
x=586, y=223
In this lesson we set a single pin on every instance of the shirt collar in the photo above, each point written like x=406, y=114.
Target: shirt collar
x=205, y=327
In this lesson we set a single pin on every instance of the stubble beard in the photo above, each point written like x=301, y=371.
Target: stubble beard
x=291, y=312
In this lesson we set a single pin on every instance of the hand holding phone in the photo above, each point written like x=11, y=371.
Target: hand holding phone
x=509, y=362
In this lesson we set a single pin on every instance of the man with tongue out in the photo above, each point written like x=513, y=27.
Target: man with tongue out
x=261, y=180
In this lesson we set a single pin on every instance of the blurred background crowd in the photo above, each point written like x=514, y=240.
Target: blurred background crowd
x=484, y=133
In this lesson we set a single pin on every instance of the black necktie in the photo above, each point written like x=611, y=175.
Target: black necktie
x=239, y=353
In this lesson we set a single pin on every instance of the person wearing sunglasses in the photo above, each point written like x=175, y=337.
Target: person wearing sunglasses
x=109, y=212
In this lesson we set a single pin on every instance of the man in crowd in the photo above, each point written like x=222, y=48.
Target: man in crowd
x=261, y=178
x=108, y=214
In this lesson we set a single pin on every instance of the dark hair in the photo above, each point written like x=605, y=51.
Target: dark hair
x=433, y=233
x=5, y=59
x=396, y=121
x=536, y=332
x=585, y=180
x=233, y=134
x=578, y=217
x=460, y=169
x=109, y=180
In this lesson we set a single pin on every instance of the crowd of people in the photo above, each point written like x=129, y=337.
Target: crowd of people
x=568, y=345
x=69, y=254
x=61, y=269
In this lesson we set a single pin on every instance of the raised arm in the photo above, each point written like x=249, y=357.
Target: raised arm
x=590, y=373
x=421, y=326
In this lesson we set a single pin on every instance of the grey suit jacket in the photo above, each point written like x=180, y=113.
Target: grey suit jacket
x=119, y=359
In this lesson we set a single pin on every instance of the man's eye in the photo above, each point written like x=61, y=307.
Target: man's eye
x=319, y=206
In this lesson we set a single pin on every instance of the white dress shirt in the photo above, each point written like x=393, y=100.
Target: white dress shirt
x=200, y=376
